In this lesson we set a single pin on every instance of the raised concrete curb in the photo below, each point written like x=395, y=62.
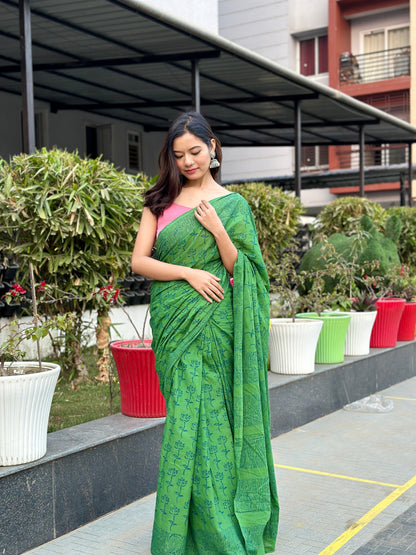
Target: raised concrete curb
x=297, y=400
x=98, y=467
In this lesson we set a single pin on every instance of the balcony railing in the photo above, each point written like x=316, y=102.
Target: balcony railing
x=374, y=156
x=376, y=66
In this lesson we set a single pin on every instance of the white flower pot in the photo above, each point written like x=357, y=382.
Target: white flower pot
x=357, y=342
x=25, y=403
x=292, y=345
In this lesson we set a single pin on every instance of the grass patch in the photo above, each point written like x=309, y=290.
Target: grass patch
x=76, y=403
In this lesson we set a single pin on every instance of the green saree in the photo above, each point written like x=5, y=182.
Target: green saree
x=216, y=490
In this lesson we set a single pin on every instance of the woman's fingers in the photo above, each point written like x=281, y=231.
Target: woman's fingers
x=207, y=285
x=215, y=286
x=216, y=292
x=212, y=290
x=206, y=215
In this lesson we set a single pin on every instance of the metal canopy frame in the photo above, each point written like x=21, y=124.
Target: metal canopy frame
x=130, y=61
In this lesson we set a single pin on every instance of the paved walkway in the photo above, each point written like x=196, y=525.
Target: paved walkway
x=347, y=484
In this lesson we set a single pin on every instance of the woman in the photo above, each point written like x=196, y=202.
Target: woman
x=209, y=317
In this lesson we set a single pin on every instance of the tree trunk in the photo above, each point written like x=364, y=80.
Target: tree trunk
x=103, y=346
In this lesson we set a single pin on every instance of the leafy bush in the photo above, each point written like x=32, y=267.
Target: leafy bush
x=75, y=219
x=277, y=218
x=363, y=252
x=407, y=240
x=343, y=216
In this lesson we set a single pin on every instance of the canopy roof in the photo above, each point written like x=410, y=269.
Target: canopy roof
x=128, y=60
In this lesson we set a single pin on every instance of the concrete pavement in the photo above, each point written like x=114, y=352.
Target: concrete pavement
x=346, y=482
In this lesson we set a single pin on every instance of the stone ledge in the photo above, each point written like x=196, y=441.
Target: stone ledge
x=100, y=466
x=296, y=400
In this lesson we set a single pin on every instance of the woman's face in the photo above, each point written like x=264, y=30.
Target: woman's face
x=192, y=156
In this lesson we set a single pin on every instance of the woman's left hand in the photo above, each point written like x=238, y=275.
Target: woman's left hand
x=206, y=215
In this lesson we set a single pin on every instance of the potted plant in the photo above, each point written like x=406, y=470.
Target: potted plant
x=331, y=342
x=403, y=286
x=26, y=388
x=360, y=289
x=318, y=300
x=364, y=251
x=76, y=219
x=386, y=325
x=140, y=393
x=292, y=341
x=363, y=312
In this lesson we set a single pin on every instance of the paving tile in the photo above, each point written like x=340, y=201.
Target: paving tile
x=315, y=508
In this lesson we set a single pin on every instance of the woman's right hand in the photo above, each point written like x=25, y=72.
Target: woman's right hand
x=206, y=284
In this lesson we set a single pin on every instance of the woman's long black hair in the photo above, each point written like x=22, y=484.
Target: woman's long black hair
x=170, y=180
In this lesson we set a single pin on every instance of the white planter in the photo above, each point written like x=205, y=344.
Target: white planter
x=357, y=342
x=25, y=403
x=292, y=345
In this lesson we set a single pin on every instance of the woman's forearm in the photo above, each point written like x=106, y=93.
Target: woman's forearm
x=207, y=284
x=155, y=269
x=226, y=248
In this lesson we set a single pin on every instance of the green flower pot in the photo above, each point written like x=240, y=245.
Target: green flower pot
x=331, y=342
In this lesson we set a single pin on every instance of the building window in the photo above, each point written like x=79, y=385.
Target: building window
x=314, y=55
x=91, y=147
x=134, y=151
x=396, y=103
x=99, y=141
x=314, y=157
x=386, y=39
x=386, y=53
x=385, y=155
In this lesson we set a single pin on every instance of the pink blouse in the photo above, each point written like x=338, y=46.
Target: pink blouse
x=170, y=214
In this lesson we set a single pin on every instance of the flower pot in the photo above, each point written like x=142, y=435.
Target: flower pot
x=139, y=383
x=407, y=325
x=292, y=345
x=25, y=403
x=331, y=342
x=386, y=325
x=357, y=342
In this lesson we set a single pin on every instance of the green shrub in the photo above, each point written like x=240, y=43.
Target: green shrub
x=75, y=219
x=407, y=239
x=366, y=252
x=277, y=218
x=343, y=216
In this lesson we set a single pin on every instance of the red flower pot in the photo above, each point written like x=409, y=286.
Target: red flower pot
x=386, y=325
x=139, y=383
x=407, y=326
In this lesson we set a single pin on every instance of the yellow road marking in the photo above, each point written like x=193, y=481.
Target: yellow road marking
x=336, y=476
x=401, y=398
x=367, y=518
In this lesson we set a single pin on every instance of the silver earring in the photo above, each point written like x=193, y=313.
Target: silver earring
x=214, y=162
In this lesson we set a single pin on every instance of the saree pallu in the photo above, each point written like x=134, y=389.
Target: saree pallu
x=216, y=490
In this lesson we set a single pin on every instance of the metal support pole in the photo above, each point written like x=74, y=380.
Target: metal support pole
x=28, y=119
x=298, y=148
x=410, y=174
x=361, y=154
x=402, y=190
x=196, y=92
